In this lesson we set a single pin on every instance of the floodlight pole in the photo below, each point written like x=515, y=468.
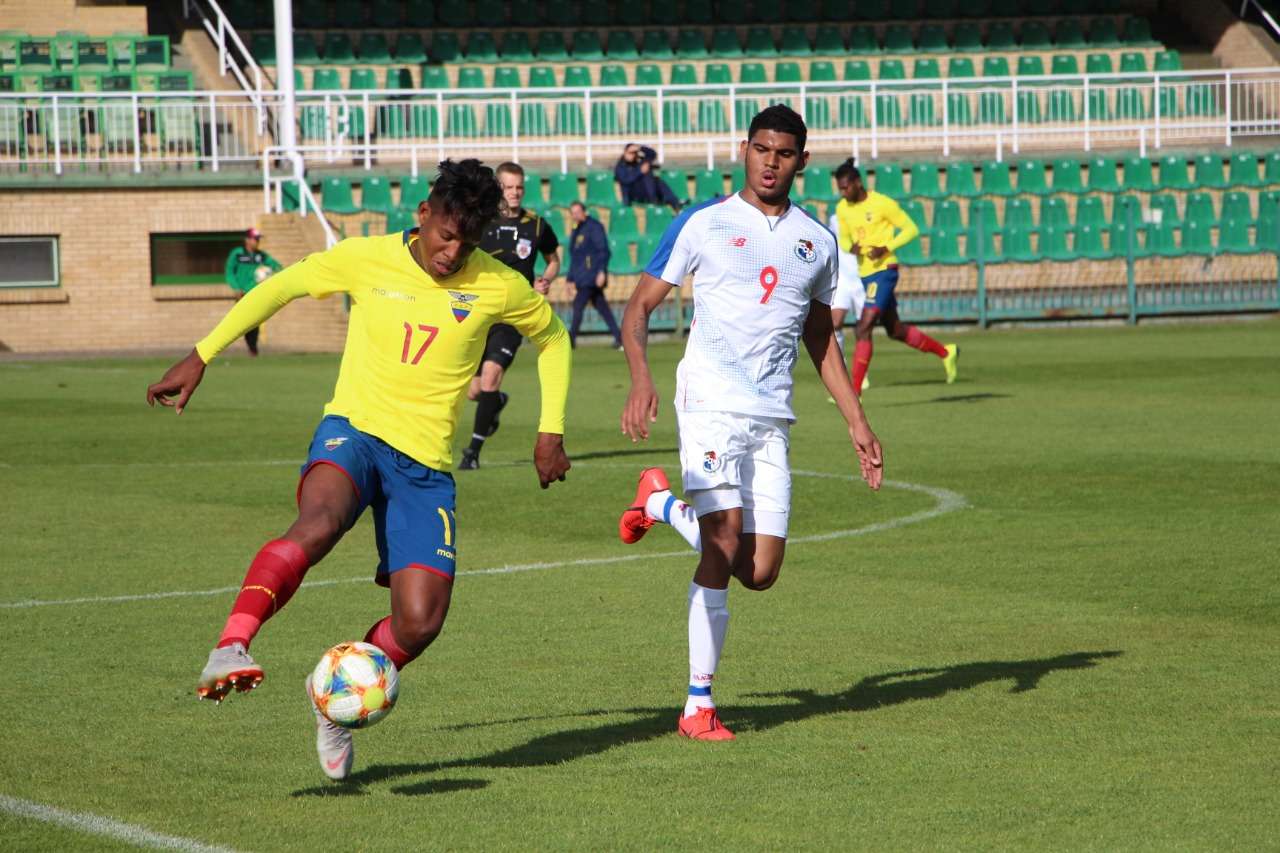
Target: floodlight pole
x=284, y=82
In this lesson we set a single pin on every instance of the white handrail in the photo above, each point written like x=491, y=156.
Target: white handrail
x=1266, y=16
x=221, y=30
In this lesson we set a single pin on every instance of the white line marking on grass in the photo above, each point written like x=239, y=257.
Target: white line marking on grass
x=93, y=824
x=946, y=501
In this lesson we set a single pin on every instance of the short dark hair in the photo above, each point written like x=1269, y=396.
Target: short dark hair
x=848, y=170
x=576, y=203
x=782, y=119
x=466, y=192
x=509, y=168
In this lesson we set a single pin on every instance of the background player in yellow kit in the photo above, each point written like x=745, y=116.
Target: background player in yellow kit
x=422, y=303
x=873, y=227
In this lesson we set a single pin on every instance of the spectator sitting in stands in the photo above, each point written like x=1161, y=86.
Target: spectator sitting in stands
x=639, y=184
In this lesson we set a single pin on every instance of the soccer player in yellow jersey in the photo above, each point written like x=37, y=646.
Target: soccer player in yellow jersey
x=872, y=228
x=422, y=303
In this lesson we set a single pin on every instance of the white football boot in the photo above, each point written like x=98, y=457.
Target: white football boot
x=333, y=743
x=229, y=667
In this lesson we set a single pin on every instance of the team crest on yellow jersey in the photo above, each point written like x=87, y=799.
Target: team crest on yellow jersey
x=461, y=304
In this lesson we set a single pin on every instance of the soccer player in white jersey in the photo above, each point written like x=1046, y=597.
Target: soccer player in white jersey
x=763, y=278
x=850, y=296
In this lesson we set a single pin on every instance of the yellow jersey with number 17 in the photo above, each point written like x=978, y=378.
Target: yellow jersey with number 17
x=873, y=222
x=413, y=342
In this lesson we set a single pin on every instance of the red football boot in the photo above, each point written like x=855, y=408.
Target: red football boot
x=703, y=725
x=635, y=522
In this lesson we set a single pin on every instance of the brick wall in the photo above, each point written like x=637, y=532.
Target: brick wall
x=46, y=17
x=107, y=301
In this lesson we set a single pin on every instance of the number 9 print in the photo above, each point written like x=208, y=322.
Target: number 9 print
x=768, y=280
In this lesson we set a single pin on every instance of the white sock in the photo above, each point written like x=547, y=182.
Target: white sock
x=665, y=507
x=708, y=622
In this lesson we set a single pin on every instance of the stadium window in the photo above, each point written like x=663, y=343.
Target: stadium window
x=29, y=262
x=192, y=257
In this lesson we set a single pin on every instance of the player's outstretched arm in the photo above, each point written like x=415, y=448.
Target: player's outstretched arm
x=178, y=383
x=820, y=341
x=530, y=313
x=641, y=408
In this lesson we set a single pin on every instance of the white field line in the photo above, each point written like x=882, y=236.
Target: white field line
x=93, y=824
x=945, y=501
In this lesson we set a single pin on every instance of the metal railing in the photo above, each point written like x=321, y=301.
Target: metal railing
x=275, y=186
x=1263, y=13
x=982, y=116
x=233, y=56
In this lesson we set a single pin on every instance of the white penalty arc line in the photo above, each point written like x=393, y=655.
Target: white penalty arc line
x=93, y=824
x=946, y=501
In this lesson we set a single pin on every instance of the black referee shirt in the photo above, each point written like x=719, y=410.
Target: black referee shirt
x=517, y=241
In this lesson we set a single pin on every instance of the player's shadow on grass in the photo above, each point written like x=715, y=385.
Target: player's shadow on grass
x=954, y=398
x=868, y=694
x=612, y=454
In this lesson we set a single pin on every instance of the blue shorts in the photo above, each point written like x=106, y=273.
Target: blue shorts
x=880, y=287
x=413, y=505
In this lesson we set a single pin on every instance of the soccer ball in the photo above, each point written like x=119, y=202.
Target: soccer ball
x=355, y=685
x=261, y=274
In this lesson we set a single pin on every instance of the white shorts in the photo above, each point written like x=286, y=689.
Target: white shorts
x=850, y=294
x=729, y=460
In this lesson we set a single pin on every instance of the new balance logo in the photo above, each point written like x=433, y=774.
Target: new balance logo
x=737, y=242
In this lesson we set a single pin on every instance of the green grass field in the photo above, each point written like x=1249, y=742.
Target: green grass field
x=1056, y=627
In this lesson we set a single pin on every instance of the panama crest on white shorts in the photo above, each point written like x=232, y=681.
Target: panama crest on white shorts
x=729, y=460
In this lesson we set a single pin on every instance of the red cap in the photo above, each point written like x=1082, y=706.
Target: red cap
x=253, y=233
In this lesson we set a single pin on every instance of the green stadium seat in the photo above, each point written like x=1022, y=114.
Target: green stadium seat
x=1124, y=239
x=1236, y=205
x=445, y=46
x=787, y=72
x=990, y=108
x=656, y=219
x=822, y=71
x=1271, y=169
x=980, y=245
x=1053, y=243
x=604, y=118
x=996, y=178
x=1244, y=170
x=1210, y=172
x=888, y=180
x=717, y=73
x=1200, y=209
x=616, y=75
x=1030, y=66
x=690, y=44
x=946, y=216
x=338, y=49
x=752, y=72
x=1054, y=213
x=760, y=43
x=1167, y=60
x=1029, y=107
x=263, y=48
x=37, y=54
x=471, y=77
x=912, y=254
x=967, y=38
x=1164, y=209
x=959, y=110
x=711, y=117
x=944, y=247
x=1233, y=238
x=1174, y=174
x=1017, y=246
x=1090, y=212
x=888, y=111
x=1098, y=63
x=745, y=109
x=1000, y=37
x=1202, y=100
x=818, y=183
x=1060, y=106
x=373, y=48
x=960, y=68
x=569, y=119
x=982, y=212
x=577, y=76
x=1197, y=239
x=1068, y=176
x=914, y=208
x=649, y=74
x=892, y=69
x=533, y=120
x=542, y=77
x=1089, y=242
x=853, y=112
x=1097, y=105
x=516, y=47
x=926, y=69
x=326, y=80
x=562, y=190
x=336, y=197
x=724, y=42
x=863, y=40
x=462, y=122
x=933, y=39
x=1064, y=64
x=1102, y=175
x=708, y=183
x=375, y=194
x=1130, y=104
x=1018, y=214
x=622, y=222
x=818, y=112
x=409, y=49
x=602, y=190
x=962, y=180
x=829, y=42
x=995, y=66
x=897, y=39
x=1034, y=35
x=304, y=50
x=481, y=47
x=656, y=44
x=586, y=46
x=1133, y=62
x=551, y=47
x=924, y=180
x=1069, y=33
x=1103, y=33
x=1137, y=31
x=675, y=117
x=920, y=111
x=856, y=70
x=640, y=119
x=506, y=77
x=435, y=77
x=621, y=44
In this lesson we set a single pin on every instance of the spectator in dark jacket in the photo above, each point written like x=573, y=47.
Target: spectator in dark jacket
x=635, y=175
x=588, y=265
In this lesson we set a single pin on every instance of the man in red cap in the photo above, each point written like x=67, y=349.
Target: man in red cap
x=247, y=267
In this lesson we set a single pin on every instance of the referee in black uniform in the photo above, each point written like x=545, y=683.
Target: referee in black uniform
x=515, y=237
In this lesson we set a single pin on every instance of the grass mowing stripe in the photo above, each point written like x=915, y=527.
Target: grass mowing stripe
x=93, y=824
x=947, y=501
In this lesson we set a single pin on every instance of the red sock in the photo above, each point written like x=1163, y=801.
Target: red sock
x=861, y=361
x=273, y=577
x=380, y=635
x=924, y=343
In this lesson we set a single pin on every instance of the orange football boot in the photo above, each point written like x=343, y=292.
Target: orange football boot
x=635, y=522
x=703, y=725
